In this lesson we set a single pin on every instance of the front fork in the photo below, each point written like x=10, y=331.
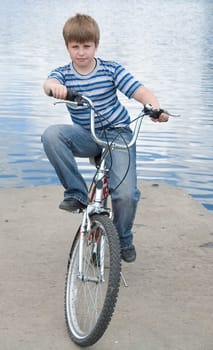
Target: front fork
x=97, y=205
x=99, y=251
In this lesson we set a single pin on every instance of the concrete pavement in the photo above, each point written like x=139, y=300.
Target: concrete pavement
x=169, y=301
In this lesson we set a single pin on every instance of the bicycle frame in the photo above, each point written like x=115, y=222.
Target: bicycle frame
x=99, y=191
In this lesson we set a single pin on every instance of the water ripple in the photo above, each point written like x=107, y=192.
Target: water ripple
x=174, y=60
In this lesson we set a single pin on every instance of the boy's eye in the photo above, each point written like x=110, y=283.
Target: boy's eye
x=86, y=46
x=77, y=46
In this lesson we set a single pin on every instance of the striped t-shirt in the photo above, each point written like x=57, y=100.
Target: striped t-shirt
x=100, y=86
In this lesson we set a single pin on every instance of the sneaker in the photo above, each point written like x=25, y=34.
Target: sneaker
x=128, y=254
x=72, y=205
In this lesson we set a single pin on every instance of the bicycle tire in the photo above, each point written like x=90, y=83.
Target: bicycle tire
x=85, y=325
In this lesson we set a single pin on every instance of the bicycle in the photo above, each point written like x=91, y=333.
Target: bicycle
x=94, y=264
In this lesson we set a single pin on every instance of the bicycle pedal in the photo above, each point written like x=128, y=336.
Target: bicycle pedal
x=77, y=211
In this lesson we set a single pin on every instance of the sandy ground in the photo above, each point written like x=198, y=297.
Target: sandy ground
x=168, y=303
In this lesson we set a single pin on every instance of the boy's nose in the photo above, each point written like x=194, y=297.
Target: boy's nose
x=81, y=51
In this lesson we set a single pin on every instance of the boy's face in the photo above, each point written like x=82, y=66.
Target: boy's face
x=82, y=54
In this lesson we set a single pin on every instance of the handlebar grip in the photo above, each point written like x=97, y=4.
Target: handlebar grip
x=156, y=113
x=153, y=113
x=74, y=96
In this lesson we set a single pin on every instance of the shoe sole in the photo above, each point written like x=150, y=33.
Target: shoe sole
x=72, y=210
x=130, y=260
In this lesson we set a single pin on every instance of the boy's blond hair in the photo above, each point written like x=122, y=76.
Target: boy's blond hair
x=81, y=28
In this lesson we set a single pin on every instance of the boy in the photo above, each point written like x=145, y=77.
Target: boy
x=98, y=79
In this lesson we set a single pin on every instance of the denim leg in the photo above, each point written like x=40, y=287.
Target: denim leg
x=126, y=196
x=62, y=143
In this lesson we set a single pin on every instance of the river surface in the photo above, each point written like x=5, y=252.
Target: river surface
x=167, y=44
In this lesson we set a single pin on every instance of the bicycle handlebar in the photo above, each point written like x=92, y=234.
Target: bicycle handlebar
x=76, y=99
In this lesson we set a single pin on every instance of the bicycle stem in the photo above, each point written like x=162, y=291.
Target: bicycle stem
x=114, y=144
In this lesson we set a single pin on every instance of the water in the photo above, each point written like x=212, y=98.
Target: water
x=167, y=44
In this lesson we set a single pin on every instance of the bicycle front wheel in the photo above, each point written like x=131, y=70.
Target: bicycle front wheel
x=90, y=298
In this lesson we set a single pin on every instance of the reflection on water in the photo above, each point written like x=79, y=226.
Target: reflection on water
x=167, y=45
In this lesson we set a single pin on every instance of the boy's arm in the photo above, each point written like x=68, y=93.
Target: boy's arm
x=144, y=96
x=55, y=88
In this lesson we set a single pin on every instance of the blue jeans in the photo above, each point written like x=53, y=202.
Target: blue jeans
x=62, y=143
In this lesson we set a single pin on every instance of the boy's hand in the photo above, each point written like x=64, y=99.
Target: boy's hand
x=53, y=87
x=164, y=117
x=58, y=91
x=159, y=115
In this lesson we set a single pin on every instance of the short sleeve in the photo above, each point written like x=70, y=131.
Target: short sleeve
x=57, y=74
x=125, y=81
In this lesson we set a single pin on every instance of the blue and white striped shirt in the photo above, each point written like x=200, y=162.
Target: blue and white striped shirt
x=100, y=86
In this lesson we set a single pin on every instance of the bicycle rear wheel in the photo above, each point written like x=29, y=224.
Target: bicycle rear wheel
x=91, y=299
